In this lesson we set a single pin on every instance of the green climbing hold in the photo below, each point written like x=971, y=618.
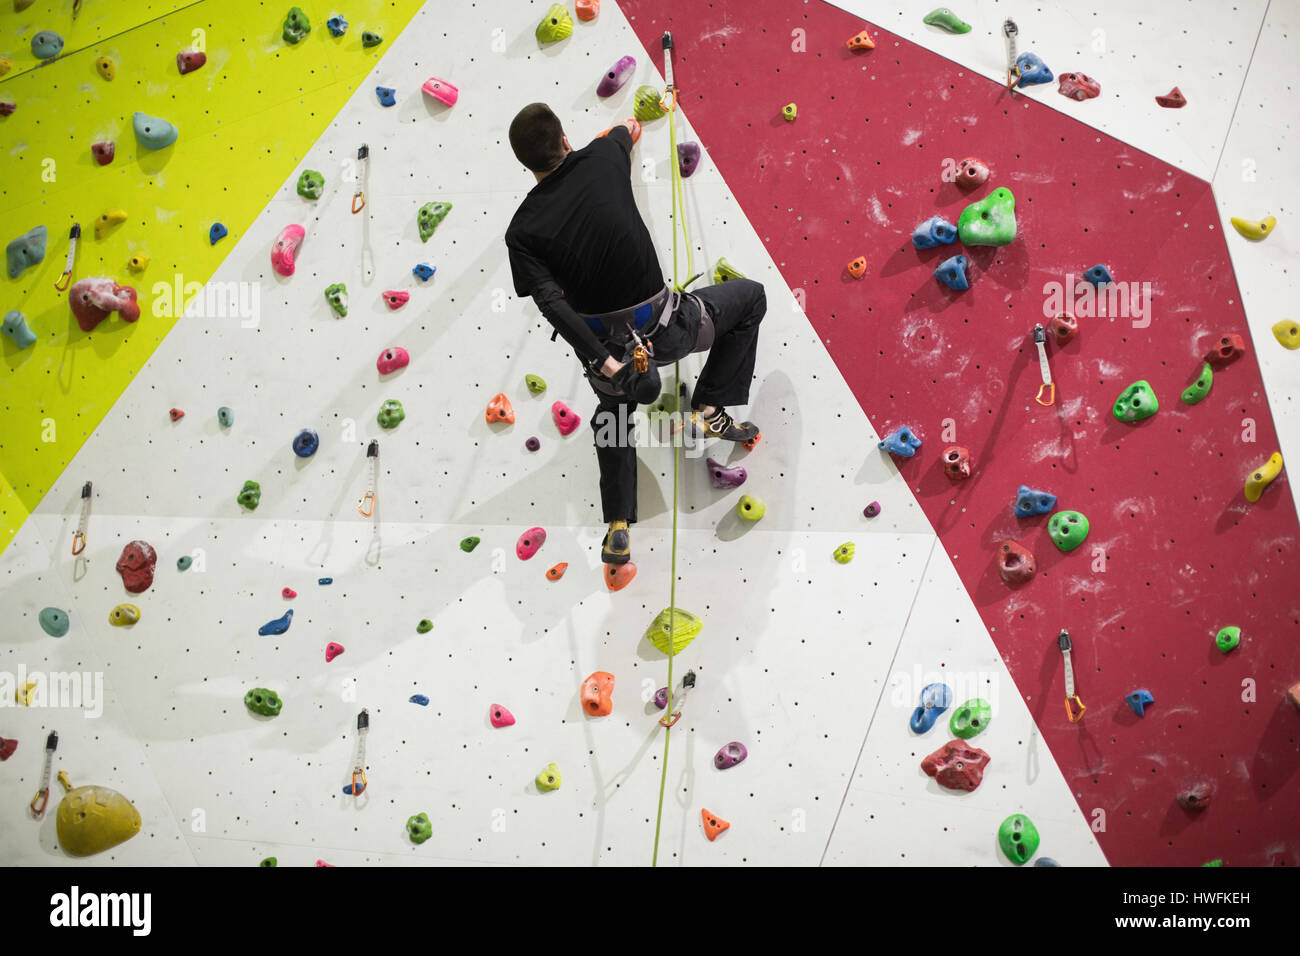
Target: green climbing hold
x=1067, y=529
x=431, y=213
x=391, y=413
x=1214, y=862
x=723, y=271
x=424, y=627
x=469, y=544
x=685, y=628
x=989, y=222
x=646, y=105
x=844, y=553
x=555, y=26
x=549, y=779
x=536, y=384
x=947, y=20
x=269, y=861
x=183, y=562
x=54, y=621
x=1136, y=402
x=1198, y=389
x=418, y=828
x=370, y=38
x=337, y=296
x=970, y=718
x=250, y=496
x=750, y=508
x=311, y=184
x=262, y=701
x=296, y=25
x=1227, y=639
x=1018, y=838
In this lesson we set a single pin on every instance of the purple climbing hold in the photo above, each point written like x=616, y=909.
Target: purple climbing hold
x=533, y=444
x=616, y=77
x=724, y=477
x=688, y=158
x=661, y=698
x=278, y=626
x=872, y=509
x=730, y=755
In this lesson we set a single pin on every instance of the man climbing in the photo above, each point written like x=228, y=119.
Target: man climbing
x=578, y=246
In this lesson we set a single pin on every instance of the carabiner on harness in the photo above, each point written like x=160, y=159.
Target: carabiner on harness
x=73, y=235
x=1073, y=705
x=363, y=169
x=358, y=784
x=1040, y=339
x=79, y=536
x=42, y=798
x=1009, y=32
x=687, y=683
x=367, y=505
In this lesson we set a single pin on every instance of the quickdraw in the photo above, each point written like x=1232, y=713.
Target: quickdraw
x=687, y=683
x=368, y=499
x=363, y=169
x=1072, y=700
x=73, y=235
x=358, y=784
x=1040, y=339
x=1009, y=32
x=42, y=798
x=79, y=536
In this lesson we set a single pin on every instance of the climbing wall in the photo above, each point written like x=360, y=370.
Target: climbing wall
x=1175, y=551
x=814, y=665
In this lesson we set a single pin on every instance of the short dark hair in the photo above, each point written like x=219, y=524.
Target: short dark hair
x=535, y=136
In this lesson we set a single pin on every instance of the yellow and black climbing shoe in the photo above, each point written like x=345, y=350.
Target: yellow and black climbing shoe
x=721, y=425
x=617, y=548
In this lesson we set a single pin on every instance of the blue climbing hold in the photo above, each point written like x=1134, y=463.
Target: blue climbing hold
x=935, y=231
x=1031, y=502
x=278, y=626
x=27, y=250
x=386, y=95
x=1045, y=861
x=337, y=26
x=216, y=233
x=1139, y=699
x=153, y=132
x=305, y=443
x=420, y=699
x=1098, y=275
x=1032, y=70
x=900, y=442
x=46, y=44
x=325, y=581
x=935, y=699
x=952, y=273
x=424, y=272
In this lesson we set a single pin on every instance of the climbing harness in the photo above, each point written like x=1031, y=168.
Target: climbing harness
x=368, y=499
x=687, y=683
x=358, y=784
x=1009, y=32
x=363, y=168
x=1072, y=700
x=42, y=798
x=79, y=536
x=1040, y=339
x=73, y=235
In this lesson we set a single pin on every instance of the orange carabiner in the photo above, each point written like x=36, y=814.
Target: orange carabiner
x=665, y=722
x=62, y=282
x=43, y=795
x=368, y=500
x=355, y=196
x=78, y=542
x=1070, y=712
x=1051, y=394
x=357, y=791
x=670, y=91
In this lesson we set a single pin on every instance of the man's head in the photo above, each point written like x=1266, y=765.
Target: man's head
x=538, y=139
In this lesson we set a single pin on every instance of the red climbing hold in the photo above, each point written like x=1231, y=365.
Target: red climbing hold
x=598, y=694
x=1227, y=350
x=187, y=61
x=1016, y=563
x=7, y=748
x=1197, y=796
x=1063, y=328
x=500, y=410
x=395, y=300
x=587, y=9
x=1078, y=86
x=971, y=172
x=288, y=593
x=332, y=651
x=956, y=462
x=136, y=566
x=500, y=717
x=713, y=824
x=1173, y=100
x=619, y=576
x=753, y=441
x=176, y=414
x=104, y=152
x=957, y=765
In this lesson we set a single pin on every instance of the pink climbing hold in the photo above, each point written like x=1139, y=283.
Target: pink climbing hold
x=187, y=61
x=136, y=566
x=288, y=593
x=724, y=477
x=565, y=419
x=391, y=359
x=322, y=863
x=529, y=542
x=332, y=651
x=441, y=90
x=500, y=717
x=92, y=300
x=395, y=300
x=286, y=247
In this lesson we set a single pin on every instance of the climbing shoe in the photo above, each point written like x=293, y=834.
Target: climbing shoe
x=721, y=425
x=617, y=548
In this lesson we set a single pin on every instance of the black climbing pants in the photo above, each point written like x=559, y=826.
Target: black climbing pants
x=736, y=307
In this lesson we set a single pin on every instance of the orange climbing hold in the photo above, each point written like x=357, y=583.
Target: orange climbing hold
x=598, y=693
x=858, y=267
x=500, y=410
x=632, y=126
x=713, y=824
x=587, y=9
x=861, y=42
x=619, y=576
x=557, y=572
x=754, y=441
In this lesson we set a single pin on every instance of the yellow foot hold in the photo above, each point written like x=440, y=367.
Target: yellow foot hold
x=107, y=221
x=685, y=628
x=26, y=694
x=94, y=819
x=1254, y=228
x=1288, y=333
x=1263, y=476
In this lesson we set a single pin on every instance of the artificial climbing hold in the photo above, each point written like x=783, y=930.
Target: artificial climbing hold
x=1078, y=86
x=1064, y=328
x=1262, y=477
x=1201, y=387
x=956, y=462
x=26, y=695
x=1287, y=333
x=686, y=627
x=429, y=216
x=688, y=158
x=278, y=626
x=286, y=248
x=305, y=443
x=1018, y=838
x=187, y=61
x=418, y=828
x=724, y=270
x=616, y=76
x=587, y=10
x=1138, y=700
x=420, y=699
x=138, y=262
x=107, y=67
x=1254, y=228
x=288, y=593
x=597, y=694
x=1197, y=796
x=92, y=300
x=136, y=566
x=337, y=296
x=713, y=824
x=216, y=232
x=1227, y=638
x=619, y=576
x=441, y=90
x=392, y=359
x=1174, y=99
x=311, y=184
x=1016, y=563
x=751, y=508
x=262, y=701
x=935, y=699
x=646, y=105
x=225, y=416
x=729, y=755
x=15, y=326
x=1097, y=276
x=970, y=173
x=54, y=621
x=337, y=25
x=104, y=152
x=46, y=44
x=565, y=420
x=990, y=221
x=499, y=717
x=724, y=477
x=152, y=132
x=1032, y=70
x=7, y=748
x=661, y=698
x=124, y=615
x=424, y=627
x=395, y=299
x=858, y=267
x=324, y=581
x=935, y=231
x=555, y=26
x=533, y=443
x=790, y=112
x=1136, y=402
x=391, y=413
x=1068, y=529
x=499, y=410
x=1030, y=502
x=296, y=25
x=557, y=572
x=871, y=510
x=27, y=250
x=945, y=19
x=952, y=273
x=631, y=125
x=1293, y=695
x=529, y=543
x=549, y=779
x=860, y=41
x=902, y=441
x=6, y=65
x=957, y=766
x=370, y=38
x=183, y=562
x=387, y=95
x=536, y=384
x=250, y=496
x=424, y=272
x=844, y=553
x=1227, y=350
x=970, y=718
x=94, y=819
x=469, y=544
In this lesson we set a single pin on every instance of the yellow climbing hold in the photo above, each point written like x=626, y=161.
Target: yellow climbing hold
x=844, y=553
x=1254, y=228
x=686, y=627
x=26, y=694
x=138, y=262
x=107, y=220
x=1263, y=476
x=107, y=67
x=94, y=819
x=6, y=65
x=1288, y=333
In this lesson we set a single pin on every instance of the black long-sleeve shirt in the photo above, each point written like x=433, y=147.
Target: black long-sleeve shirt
x=578, y=245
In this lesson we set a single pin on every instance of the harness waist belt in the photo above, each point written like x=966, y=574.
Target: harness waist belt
x=637, y=316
